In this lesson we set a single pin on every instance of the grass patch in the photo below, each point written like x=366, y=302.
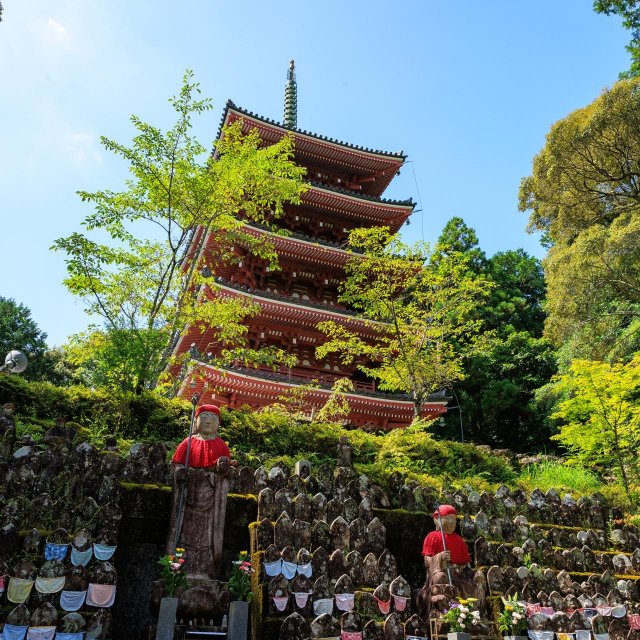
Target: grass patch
x=560, y=476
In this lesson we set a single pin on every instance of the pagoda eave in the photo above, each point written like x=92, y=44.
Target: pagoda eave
x=234, y=389
x=358, y=207
x=323, y=151
x=294, y=314
x=304, y=251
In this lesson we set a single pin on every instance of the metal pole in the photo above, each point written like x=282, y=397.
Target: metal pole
x=444, y=545
x=183, y=489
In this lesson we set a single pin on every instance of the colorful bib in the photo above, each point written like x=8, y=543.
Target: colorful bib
x=289, y=569
x=101, y=595
x=80, y=558
x=272, y=569
x=41, y=633
x=72, y=600
x=301, y=598
x=103, y=552
x=18, y=590
x=13, y=632
x=323, y=605
x=54, y=551
x=345, y=601
x=49, y=585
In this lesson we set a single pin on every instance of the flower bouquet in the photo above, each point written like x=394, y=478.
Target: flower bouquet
x=239, y=584
x=172, y=574
x=461, y=616
x=512, y=620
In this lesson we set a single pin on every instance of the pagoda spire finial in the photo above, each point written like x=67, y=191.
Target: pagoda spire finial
x=291, y=98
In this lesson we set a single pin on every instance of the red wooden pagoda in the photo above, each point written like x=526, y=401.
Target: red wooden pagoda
x=346, y=185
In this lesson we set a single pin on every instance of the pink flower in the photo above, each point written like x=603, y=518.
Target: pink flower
x=175, y=566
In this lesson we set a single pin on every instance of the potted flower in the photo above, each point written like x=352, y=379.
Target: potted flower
x=239, y=586
x=512, y=620
x=172, y=578
x=461, y=617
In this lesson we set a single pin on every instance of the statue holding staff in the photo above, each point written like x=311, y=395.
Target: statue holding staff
x=200, y=486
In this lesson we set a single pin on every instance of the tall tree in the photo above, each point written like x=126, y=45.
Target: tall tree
x=495, y=397
x=584, y=196
x=145, y=283
x=418, y=313
x=629, y=11
x=19, y=331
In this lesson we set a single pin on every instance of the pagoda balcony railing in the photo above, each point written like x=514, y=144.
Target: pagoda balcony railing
x=342, y=246
x=323, y=379
x=279, y=297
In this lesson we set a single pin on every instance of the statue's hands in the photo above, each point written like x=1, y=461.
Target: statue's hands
x=223, y=464
x=181, y=475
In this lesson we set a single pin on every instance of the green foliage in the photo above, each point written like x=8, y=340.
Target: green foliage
x=600, y=418
x=172, y=575
x=19, y=331
x=138, y=283
x=97, y=412
x=512, y=619
x=584, y=196
x=412, y=450
x=497, y=393
x=239, y=584
x=418, y=313
x=502, y=373
x=561, y=476
x=629, y=11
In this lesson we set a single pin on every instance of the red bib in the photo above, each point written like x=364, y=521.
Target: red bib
x=455, y=544
x=204, y=453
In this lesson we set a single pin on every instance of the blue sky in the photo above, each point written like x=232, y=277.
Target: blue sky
x=467, y=89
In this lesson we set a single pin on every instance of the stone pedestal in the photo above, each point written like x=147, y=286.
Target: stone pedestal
x=238, y=620
x=167, y=618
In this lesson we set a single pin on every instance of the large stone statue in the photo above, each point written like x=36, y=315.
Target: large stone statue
x=200, y=486
x=437, y=593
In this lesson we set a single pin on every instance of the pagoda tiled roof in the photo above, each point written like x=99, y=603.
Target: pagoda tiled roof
x=363, y=196
x=438, y=398
x=323, y=153
x=399, y=155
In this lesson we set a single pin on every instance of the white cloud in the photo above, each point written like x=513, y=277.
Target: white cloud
x=52, y=33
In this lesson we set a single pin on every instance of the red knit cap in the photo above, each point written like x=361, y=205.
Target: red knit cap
x=445, y=510
x=211, y=408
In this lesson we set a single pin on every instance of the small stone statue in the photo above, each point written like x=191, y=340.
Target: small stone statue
x=344, y=453
x=200, y=487
x=437, y=593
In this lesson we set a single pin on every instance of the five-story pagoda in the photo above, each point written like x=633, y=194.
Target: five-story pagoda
x=346, y=183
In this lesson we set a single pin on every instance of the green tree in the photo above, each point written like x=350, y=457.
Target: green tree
x=500, y=378
x=19, y=331
x=149, y=282
x=416, y=314
x=629, y=11
x=584, y=196
x=600, y=417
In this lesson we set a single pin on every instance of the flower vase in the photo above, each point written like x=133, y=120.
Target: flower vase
x=458, y=635
x=238, y=620
x=167, y=618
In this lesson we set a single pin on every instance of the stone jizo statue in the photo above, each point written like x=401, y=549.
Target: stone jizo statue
x=437, y=593
x=200, y=486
